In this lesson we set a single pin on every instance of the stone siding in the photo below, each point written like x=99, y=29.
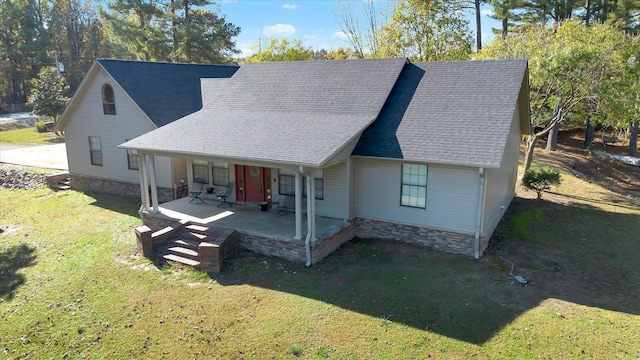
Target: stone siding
x=113, y=187
x=447, y=241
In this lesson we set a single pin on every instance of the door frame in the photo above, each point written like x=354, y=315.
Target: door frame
x=241, y=193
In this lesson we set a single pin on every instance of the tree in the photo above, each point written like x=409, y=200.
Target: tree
x=138, y=26
x=363, y=38
x=49, y=93
x=541, y=179
x=281, y=50
x=198, y=34
x=569, y=66
x=426, y=31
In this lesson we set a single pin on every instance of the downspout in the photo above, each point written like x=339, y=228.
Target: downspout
x=476, y=240
x=307, y=240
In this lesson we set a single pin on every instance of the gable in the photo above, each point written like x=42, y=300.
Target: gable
x=456, y=113
x=289, y=112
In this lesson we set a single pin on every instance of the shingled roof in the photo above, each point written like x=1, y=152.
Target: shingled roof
x=164, y=91
x=298, y=113
x=457, y=113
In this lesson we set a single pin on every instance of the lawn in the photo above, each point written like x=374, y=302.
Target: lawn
x=29, y=135
x=71, y=286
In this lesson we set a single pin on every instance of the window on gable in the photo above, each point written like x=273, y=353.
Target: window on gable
x=287, y=183
x=414, y=185
x=200, y=171
x=220, y=174
x=108, y=100
x=95, y=150
x=133, y=161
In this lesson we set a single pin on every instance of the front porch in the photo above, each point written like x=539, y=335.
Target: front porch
x=261, y=231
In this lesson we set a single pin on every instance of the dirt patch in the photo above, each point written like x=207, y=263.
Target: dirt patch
x=573, y=157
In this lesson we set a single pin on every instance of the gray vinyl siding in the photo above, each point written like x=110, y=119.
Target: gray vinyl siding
x=334, y=204
x=87, y=119
x=452, y=195
x=500, y=182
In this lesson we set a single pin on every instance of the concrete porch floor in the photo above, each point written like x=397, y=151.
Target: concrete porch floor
x=248, y=219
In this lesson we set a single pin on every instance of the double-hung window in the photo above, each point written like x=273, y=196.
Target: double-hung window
x=220, y=174
x=287, y=183
x=95, y=150
x=133, y=161
x=200, y=171
x=414, y=185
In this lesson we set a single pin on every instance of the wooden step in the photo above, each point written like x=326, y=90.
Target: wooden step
x=181, y=260
x=193, y=236
x=184, y=252
x=199, y=229
x=186, y=243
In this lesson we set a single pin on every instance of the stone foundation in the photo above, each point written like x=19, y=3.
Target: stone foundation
x=113, y=187
x=295, y=251
x=443, y=240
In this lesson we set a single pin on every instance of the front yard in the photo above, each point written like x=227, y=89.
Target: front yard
x=71, y=286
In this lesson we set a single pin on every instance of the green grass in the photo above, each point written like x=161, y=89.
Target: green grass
x=71, y=286
x=29, y=136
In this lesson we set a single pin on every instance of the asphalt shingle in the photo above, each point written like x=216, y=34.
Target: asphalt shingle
x=455, y=113
x=164, y=91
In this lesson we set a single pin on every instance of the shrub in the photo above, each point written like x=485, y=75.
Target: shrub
x=541, y=179
x=40, y=126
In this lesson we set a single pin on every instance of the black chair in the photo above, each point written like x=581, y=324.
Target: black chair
x=225, y=196
x=196, y=192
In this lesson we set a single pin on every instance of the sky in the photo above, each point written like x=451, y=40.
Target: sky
x=312, y=21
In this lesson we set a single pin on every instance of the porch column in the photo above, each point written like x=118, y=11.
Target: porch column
x=144, y=182
x=154, y=189
x=298, y=201
x=311, y=206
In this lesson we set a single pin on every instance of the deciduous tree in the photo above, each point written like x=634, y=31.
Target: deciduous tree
x=49, y=93
x=281, y=50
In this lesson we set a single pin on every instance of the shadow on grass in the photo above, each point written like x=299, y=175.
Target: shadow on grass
x=120, y=204
x=56, y=140
x=11, y=261
x=464, y=299
x=607, y=200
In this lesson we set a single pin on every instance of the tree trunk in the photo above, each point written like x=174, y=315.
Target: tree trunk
x=590, y=133
x=528, y=154
x=587, y=12
x=633, y=140
x=505, y=26
x=552, y=139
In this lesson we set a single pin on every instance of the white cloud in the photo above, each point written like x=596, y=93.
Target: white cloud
x=290, y=6
x=309, y=37
x=340, y=35
x=246, y=49
x=278, y=30
x=486, y=12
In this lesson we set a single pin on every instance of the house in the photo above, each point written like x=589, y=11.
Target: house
x=119, y=100
x=425, y=153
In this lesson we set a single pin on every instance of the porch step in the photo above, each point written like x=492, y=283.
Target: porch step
x=184, y=252
x=198, y=229
x=186, y=243
x=181, y=260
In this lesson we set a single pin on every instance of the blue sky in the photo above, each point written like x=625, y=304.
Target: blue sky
x=312, y=21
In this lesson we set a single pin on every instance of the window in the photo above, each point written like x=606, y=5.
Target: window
x=287, y=183
x=95, y=149
x=220, y=174
x=108, y=100
x=414, y=185
x=200, y=171
x=133, y=160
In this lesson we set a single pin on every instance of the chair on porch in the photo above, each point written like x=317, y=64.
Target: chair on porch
x=196, y=192
x=225, y=196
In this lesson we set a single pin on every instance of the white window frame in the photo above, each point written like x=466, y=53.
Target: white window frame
x=413, y=191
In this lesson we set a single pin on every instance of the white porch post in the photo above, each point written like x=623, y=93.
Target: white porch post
x=154, y=189
x=298, y=201
x=144, y=183
x=311, y=206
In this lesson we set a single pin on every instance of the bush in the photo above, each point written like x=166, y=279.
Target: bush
x=541, y=179
x=41, y=126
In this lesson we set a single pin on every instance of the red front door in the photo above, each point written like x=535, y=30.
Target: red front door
x=254, y=183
